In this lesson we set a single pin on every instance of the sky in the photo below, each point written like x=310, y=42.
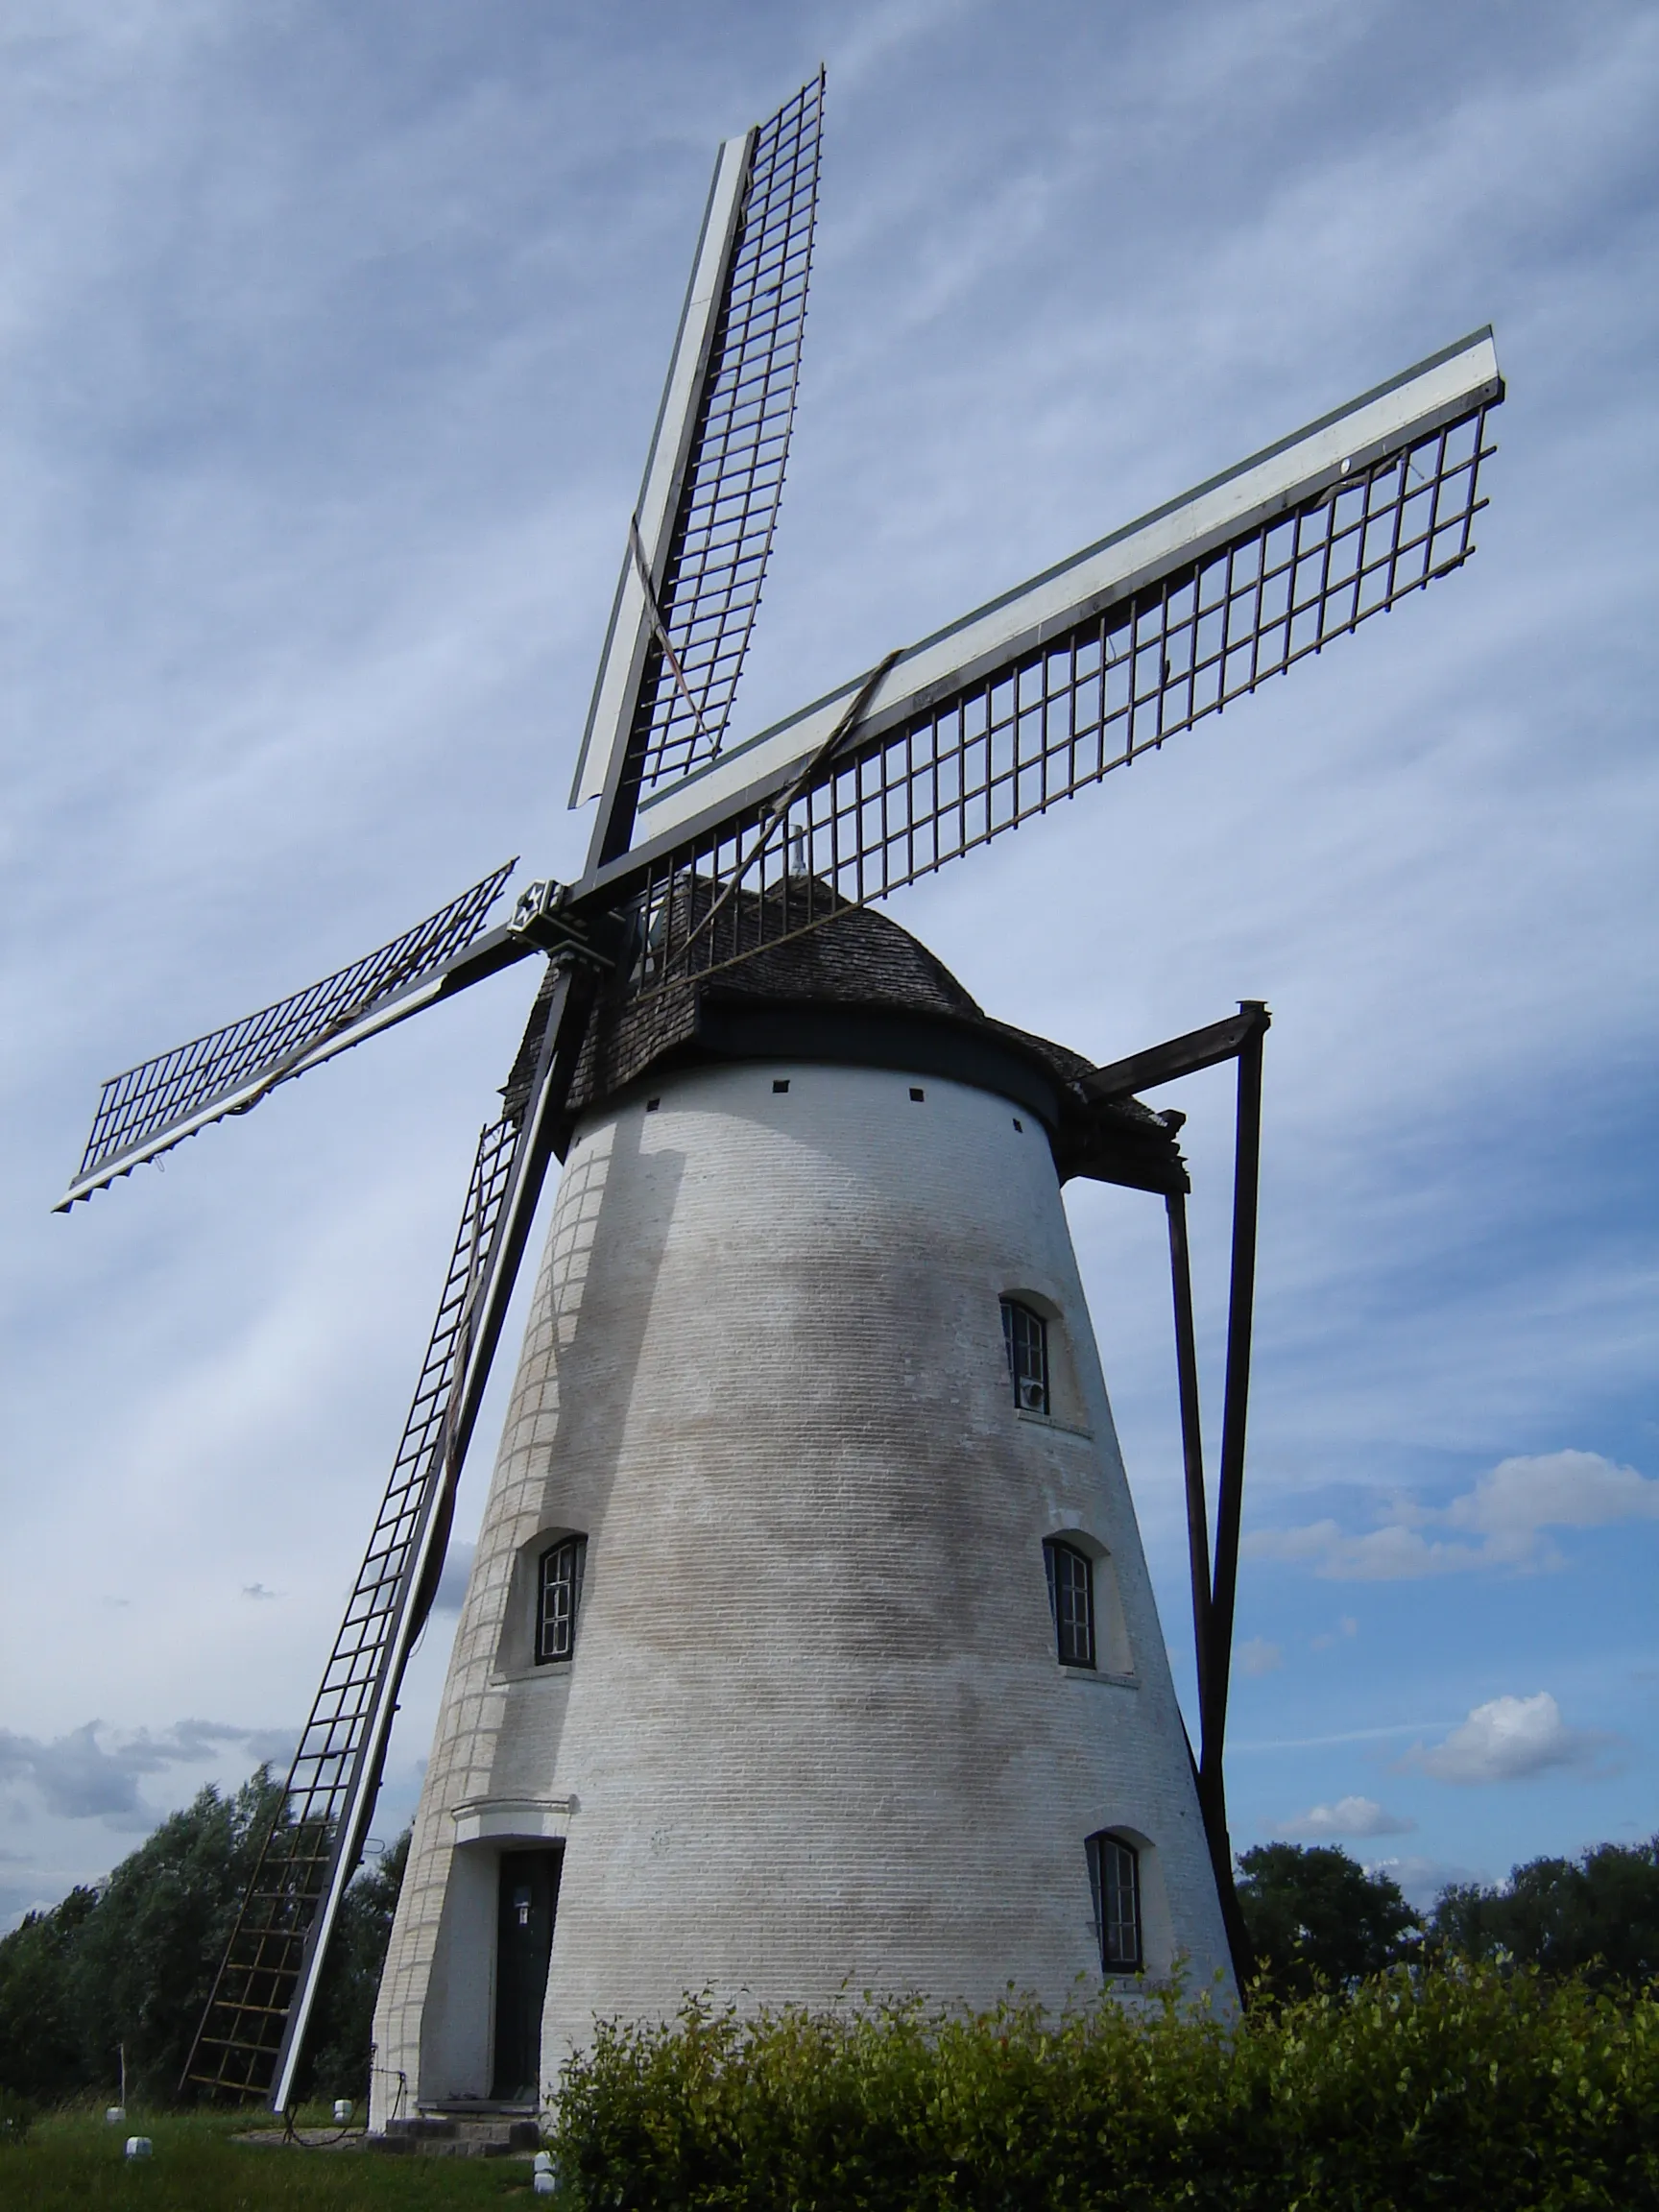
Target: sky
x=333, y=342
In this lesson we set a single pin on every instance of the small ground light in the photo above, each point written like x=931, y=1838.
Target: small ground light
x=114, y=2115
x=541, y=2174
x=342, y=2109
x=138, y=2146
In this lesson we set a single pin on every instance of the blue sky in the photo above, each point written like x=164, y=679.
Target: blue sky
x=333, y=345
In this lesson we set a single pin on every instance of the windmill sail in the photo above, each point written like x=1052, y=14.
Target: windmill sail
x=344, y=1740
x=251, y=2036
x=702, y=534
x=1076, y=673
x=157, y=1104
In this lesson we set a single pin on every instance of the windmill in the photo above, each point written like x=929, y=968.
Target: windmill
x=777, y=1114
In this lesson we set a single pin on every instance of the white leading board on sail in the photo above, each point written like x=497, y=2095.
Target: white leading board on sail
x=1450, y=386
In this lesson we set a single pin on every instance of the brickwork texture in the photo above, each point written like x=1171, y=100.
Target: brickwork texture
x=814, y=1739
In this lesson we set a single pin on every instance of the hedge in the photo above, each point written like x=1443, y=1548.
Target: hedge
x=1465, y=2087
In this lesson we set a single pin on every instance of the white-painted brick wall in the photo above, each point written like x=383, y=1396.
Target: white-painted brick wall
x=814, y=1737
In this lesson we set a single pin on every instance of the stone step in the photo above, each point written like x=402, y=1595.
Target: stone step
x=461, y=2136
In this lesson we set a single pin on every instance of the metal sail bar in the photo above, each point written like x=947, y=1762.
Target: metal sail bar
x=702, y=535
x=246, y=2025
x=1077, y=673
x=156, y=1105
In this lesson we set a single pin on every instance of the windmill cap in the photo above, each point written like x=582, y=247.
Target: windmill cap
x=857, y=990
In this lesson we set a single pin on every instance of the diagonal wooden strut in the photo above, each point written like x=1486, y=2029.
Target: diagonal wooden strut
x=1191, y=1438
x=1214, y=1577
x=1217, y=1660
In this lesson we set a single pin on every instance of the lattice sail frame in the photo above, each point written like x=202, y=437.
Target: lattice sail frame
x=157, y=1104
x=888, y=805
x=702, y=531
x=711, y=590
x=247, y=2028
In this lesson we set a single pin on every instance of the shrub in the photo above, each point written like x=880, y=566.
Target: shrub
x=1431, y=2088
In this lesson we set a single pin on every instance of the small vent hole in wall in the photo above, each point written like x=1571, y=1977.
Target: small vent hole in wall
x=916, y=1095
x=781, y=1083
x=1018, y=1124
x=652, y=1104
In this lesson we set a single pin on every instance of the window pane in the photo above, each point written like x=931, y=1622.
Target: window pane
x=1115, y=1877
x=1025, y=1339
x=558, y=1596
x=1071, y=1604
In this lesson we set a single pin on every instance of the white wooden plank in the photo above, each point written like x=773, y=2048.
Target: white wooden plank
x=611, y=714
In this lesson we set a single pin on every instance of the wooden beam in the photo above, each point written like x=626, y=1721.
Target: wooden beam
x=1184, y=1055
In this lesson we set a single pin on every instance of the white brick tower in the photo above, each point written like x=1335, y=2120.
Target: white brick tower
x=799, y=1657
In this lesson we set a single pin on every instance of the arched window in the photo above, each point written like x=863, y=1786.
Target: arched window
x=559, y=1598
x=1026, y=1336
x=1071, y=1602
x=1115, y=1879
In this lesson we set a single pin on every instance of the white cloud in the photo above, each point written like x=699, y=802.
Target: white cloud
x=1347, y=1625
x=1392, y=1554
x=79, y=1778
x=1420, y=1879
x=1348, y=1816
x=1506, y=1514
x=1260, y=1657
x=1509, y=1740
x=1522, y=1497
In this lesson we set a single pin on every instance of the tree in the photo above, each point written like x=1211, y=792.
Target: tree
x=39, y=2040
x=1316, y=1918
x=133, y=1963
x=142, y=1963
x=130, y=1963
x=1596, y=1915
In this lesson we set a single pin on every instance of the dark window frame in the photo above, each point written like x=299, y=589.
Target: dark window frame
x=1115, y=1885
x=1070, y=1576
x=1025, y=1341
x=559, y=1573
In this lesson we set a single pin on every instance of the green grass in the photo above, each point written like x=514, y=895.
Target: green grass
x=74, y=2159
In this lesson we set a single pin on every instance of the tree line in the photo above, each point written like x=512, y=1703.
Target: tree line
x=1319, y=1921
x=130, y=1963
